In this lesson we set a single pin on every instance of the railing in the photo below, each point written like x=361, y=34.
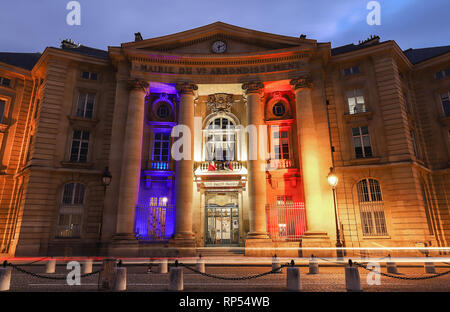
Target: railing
x=68, y=231
x=286, y=222
x=280, y=164
x=154, y=222
x=159, y=165
x=224, y=166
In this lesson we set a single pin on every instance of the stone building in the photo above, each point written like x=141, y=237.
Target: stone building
x=73, y=118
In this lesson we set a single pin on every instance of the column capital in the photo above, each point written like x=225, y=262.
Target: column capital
x=186, y=87
x=137, y=85
x=253, y=87
x=303, y=82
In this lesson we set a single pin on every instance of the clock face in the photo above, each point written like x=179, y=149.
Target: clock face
x=219, y=46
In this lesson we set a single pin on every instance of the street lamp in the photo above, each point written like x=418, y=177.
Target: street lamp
x=333, y=181
x=106, y=181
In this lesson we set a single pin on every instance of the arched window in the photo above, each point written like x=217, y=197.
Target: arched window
x=71, y=210
x=220, y=139
x=371, y=208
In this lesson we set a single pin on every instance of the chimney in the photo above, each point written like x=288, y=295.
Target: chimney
x=137, y=37
x=302, y=36
x=68, y=44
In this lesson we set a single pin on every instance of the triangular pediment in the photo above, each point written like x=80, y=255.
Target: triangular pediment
x=238, y=40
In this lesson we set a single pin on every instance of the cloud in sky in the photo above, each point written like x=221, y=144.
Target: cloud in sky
x=30, y=26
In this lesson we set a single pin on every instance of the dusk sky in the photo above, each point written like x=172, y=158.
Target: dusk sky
x=30, y=26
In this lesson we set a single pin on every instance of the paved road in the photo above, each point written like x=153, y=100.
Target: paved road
x=330, y=279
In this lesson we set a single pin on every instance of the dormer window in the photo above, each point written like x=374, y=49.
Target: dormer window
x=351, y=71
x=89, y=75
x=5, y=82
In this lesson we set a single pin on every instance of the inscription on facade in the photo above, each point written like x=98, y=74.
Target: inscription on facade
x=242, y=70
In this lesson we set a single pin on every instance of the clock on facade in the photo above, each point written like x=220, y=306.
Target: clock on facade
x=219, y=46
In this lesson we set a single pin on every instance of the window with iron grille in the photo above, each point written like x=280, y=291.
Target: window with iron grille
x=361, y=142
x=80, y=146
x=85, y=105
x=355, y=100
x=71, y=211
x=445, y=101
x=371, y=207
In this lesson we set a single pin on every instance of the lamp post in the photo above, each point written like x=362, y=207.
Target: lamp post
x=106, y=181
x=333, y=181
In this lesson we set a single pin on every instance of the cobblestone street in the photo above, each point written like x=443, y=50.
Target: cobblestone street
x=329, y=279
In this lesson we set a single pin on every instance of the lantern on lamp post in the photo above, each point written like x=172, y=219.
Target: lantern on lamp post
x=333, y=181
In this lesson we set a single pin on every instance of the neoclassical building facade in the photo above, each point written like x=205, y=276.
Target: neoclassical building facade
x=223, y=136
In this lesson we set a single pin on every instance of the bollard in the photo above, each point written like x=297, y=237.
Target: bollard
x=50, y=266
x=200, y=266
x=391, y=267
x=276, y=266
x=313, y=266
x=176, y=278
x=107, y=278
x=352, y=280
x=87, y=266
x=121, y=279
x=162, y=267
x=429, y=268
x=5, y=277
x=293, y=278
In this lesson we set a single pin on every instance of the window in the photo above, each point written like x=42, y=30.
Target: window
x=161, y=144
x=279, y=109
x=80, y=145
x=36, y=111
x=371, y=208
x=71, y=211
x=5, y=82
x=89, y=75
x=361, y=142
x=355, y=99
x=281, y=144
x=413, y=141
x=2, y=110
x=220, y=139
x=351, y=70
x=443, y=73
x=163, y=110
x=405, y=102
x=445, y=100
x=85, y=105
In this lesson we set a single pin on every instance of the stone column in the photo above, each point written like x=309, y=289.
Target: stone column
x=131, y=161
x=309, y=157
x=184, y=170
x=256, y=167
